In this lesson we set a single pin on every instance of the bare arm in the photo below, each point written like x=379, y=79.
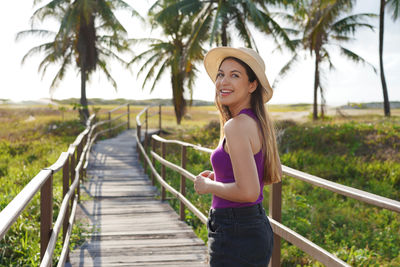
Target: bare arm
x=246, y=188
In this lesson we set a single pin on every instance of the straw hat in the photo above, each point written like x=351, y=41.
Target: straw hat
x=215, y=56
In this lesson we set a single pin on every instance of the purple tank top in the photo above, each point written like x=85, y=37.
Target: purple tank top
x=223, y=171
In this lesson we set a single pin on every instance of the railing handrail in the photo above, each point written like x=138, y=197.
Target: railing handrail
x=370, y=198
x=303, y=243
x=14, y=209
x=138, y=123
x=279, y=229
x=140, y=114
x=116, y=108
x=348, y=191
x=182, y=143
x=172, y=190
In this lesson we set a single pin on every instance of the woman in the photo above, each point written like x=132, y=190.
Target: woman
x=239, y=233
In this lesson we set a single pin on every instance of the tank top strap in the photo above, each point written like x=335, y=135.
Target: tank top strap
x=249, y=112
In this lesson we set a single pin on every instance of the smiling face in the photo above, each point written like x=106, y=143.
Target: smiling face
x=233, y=88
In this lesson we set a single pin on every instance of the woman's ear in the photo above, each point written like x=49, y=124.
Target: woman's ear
x=253, y=86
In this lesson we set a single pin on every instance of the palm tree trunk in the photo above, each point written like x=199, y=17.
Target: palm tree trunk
x=386, y=104
x=84, y=111
x=316, y=85
x=178, y=98
x=224, y=34
x=321, y=91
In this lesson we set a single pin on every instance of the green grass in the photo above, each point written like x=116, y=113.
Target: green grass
x=362, y=152
x=32, y=139
x=358, y=150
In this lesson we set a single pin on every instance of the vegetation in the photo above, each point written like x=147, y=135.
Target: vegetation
x=89, y=35
x=230, y=17
x=358, y=151
x=320, y=25
x=32, y=139
x=395, y=7
x=362, y=152
x=177, y=52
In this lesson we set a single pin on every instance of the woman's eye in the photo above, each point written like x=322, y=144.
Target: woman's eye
x=235, y=76
x=219, y=75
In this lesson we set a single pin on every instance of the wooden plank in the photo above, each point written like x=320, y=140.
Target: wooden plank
x=128, y=225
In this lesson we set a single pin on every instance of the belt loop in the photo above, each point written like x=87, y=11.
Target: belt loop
x=260, y=208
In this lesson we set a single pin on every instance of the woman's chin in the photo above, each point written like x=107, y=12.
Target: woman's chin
x=224, y=100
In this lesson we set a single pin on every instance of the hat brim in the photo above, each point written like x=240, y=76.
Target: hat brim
x=215, y=56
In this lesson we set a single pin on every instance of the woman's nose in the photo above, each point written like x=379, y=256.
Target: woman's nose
x=224, y=80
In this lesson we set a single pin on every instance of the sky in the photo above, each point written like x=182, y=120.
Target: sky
x=349, y=82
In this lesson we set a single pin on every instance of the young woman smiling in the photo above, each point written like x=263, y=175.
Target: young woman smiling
x=239, y=233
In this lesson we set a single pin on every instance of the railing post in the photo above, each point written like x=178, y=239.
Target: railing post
x=79, y=154
x=275, y=212
x=159, y=117
x=163, y=150
x=129, y=121
x=109, y=123
x=183, y=183
x=46, y=214
x=72, y=174
x=138, y=129
x=65, y=190
x=145, y=151
x=146, y=132
x=153, y=160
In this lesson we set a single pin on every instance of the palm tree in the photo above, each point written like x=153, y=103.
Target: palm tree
x=322, y=27
x=395, y=4
x=88, y=36
x=238, y=14
x=177, y=52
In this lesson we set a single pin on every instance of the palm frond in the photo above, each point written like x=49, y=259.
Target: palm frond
x=151, y=71
x=34, y=32
x=158, y=76
x=60, y=75
x=154, y=58
x=103, y=66
x=140, y=57
x=215, y=25
x=53, y=9
x=296, y=43
x=394, y=6
x=350, y=24
x=356, y=58
x=277, y=32
x=36, y=50
x=341, y=38
x=109, y=54
x=325, y=57
x=243, y=31
x=285, y=69
x=198, y=36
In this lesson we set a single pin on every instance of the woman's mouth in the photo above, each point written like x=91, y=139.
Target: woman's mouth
x=225, y=92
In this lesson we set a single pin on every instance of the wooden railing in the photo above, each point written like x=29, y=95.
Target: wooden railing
x=275, y=201
x=73, y=163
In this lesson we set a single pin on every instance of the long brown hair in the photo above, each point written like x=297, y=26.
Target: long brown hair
x=272, y=164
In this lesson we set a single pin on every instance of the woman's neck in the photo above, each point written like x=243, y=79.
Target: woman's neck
x=236, y=109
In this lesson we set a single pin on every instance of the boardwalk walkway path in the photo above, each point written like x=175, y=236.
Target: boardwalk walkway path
x=130, y=226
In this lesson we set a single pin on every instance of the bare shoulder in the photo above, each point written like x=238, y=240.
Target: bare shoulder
x=241, y=125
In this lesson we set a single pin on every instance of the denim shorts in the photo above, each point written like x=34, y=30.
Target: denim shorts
x=239, y=237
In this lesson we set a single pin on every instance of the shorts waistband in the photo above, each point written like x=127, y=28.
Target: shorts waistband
x=238, y=212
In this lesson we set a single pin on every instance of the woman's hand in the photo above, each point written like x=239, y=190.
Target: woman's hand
x=207, y=174
x=202, y=181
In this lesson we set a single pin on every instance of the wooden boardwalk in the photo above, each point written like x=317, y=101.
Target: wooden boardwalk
x=130, y=226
